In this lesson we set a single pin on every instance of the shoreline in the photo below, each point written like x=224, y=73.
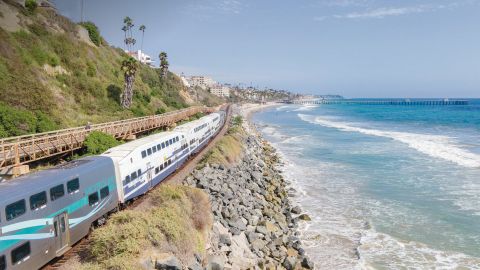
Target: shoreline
x=255, y=224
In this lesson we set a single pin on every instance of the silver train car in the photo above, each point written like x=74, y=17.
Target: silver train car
x=44, y=213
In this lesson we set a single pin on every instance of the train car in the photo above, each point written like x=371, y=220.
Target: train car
x=144, y=163
x=199, y=131
x=43, y=214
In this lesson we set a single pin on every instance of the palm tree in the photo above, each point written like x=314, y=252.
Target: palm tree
x=163, y=64
x=129, y=68
x=142, y=28
x=128, y=24
x=124, y=29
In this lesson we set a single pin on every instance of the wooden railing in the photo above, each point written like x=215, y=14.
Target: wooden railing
x=15, y=151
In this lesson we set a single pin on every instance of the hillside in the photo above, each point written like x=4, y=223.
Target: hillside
x=53, y=76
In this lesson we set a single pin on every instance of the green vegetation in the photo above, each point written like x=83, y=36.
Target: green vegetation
x=31, y=5
x=14, y=122
x=45, y=67
x=229, y=148
x=93, y=32
x=177, y=219
x=98, y=142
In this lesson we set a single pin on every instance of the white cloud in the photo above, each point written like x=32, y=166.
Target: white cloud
x=380, y=13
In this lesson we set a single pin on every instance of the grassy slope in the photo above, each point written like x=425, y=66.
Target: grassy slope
x=176, y=219
x=228, y=150
x=85, y=87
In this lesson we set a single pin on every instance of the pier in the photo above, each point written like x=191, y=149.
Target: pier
x=398, y=102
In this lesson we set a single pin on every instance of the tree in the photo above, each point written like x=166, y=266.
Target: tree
x=128, y=25
x=129, y=68
x=163, y=64
x=142, y=28
x=124, y=29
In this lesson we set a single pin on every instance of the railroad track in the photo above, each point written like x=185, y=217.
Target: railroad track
x=81, y=247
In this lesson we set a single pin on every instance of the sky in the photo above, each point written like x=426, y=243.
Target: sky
x=355, y=48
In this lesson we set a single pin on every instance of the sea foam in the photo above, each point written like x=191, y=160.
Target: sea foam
x=437, y=146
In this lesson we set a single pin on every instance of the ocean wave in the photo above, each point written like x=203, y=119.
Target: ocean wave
x=437, y=146
x=391, y=253
x=306, y=108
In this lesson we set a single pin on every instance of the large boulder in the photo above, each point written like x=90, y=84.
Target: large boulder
x=168, y=263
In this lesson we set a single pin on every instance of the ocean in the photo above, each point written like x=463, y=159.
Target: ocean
x=387, y=187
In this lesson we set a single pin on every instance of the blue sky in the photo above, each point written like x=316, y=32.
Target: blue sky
x=357, y=48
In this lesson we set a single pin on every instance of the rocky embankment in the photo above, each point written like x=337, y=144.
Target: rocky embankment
x=255, y=225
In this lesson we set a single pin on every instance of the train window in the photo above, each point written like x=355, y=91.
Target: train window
x=93, y=199
x=134, y=175
x=157, y=170
x=38, y=200
x=165, y=164
x=20, y=253
x=3, y=263
x=149, y=150
x=159, y=147
x=73, y=186
x=163, y=145
x=161, y=167
x=166, y=143
x=144, y=154
x=170, y=141
x=169, y=162
x=15, y=209
x=104, y=192
x=127, y=179
x=177, y=139
x=139, y=172
x=57, y=192
x=154, y=149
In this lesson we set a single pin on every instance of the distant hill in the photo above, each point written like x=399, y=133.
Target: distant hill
x=52, y=75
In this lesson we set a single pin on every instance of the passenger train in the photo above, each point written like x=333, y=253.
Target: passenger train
x=44, y=213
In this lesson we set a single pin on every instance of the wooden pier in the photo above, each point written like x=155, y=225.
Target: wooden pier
x=398, y=102
x=16, y=152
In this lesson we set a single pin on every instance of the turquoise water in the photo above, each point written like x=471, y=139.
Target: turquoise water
x=388, y=187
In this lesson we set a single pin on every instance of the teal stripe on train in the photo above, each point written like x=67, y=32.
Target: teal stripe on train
x=22, y=231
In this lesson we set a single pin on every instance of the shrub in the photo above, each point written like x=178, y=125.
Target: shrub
x=44, y=123
x=98, y=142
x=160, y=110
x=15, y=122
x=93, y=32
x=31, y=5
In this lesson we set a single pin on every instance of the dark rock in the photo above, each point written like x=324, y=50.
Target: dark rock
x=306, y=263
x=304, y=217
x=171, y=263
x=296, y=210
x=225, y=239
x=289, y=263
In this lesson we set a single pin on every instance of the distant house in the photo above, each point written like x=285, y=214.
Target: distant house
x=220, y=90
x=142, y=57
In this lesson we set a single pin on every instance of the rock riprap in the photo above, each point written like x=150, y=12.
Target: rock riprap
x=255, y=225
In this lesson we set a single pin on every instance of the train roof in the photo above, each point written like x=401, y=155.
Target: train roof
x=47, y=178
x=125, y=149
x=195, y=123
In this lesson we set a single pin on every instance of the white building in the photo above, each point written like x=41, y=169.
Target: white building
x=201, y=81
x=142, y=57
x=220, y=90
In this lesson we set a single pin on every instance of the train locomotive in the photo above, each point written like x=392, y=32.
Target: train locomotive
x=44, y=213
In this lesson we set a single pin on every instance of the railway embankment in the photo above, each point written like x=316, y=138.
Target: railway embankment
x=255, y=225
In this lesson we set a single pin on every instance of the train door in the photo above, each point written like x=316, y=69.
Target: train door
x=149, y=174
x=62, y=236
